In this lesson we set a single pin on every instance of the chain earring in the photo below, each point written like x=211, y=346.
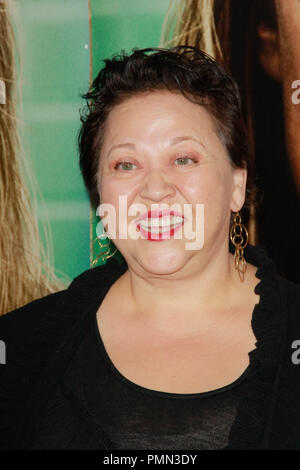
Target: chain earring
x=106, y=254
x=239, y=242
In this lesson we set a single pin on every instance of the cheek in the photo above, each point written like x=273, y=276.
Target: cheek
x=111, y=189
x=209, y=185
x=119, y=194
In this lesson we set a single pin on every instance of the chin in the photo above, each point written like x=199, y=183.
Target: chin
x=160, y=263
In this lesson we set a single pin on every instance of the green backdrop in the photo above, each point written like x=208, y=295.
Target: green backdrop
x=54, y=38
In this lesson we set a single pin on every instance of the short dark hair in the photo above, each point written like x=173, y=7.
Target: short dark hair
x=183, y=69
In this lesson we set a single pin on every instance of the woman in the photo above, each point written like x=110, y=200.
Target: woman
x=25, y=271
x=258, y=41
x=170, y=347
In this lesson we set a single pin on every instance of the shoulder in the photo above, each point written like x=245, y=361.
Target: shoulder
x=81, y=292
x=17, y=322
x=278, y=292
x=30, y=333
x=24, y=352
x=27, y=335
x=292, y=290
x=40, y=338
x=291, y=304
x=38, y=322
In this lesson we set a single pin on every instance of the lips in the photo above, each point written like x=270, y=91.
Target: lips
x=159, y=225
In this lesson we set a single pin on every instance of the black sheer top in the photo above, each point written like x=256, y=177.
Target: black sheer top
x=59, y=389
x=94, y=399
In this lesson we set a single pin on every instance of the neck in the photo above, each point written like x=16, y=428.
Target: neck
x=198, y=296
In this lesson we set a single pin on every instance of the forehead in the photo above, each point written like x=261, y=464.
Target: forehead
x=157, y=114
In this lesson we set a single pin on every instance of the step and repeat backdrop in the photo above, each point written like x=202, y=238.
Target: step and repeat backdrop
x=50, y=51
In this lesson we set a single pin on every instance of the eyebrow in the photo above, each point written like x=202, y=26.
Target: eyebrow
x=126, y=145
x=182, y=138
x=175, y=141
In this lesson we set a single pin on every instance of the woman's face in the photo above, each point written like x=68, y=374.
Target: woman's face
x=160, y=148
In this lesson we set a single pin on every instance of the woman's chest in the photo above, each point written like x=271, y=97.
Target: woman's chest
x=184, y=364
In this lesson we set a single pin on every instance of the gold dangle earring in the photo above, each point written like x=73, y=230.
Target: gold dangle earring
x=103, y=256
x=239, y=242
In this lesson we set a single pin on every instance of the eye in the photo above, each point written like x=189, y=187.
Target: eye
x=126, y=166
x=183, y=160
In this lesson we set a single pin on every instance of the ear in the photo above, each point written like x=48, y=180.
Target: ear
x=239, y=189
x=269, y=51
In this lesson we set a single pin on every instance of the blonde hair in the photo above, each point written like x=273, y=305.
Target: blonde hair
x=25, y=270
x=192, y=22
x=199, y=23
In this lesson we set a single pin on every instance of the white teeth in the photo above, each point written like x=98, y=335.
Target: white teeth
x=160, y=229
x=156, y=222
x=160, y=224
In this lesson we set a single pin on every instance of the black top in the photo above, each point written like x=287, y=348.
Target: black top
x=44, y=337
x=133, y=417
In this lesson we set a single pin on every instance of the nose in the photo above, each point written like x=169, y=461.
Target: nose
x=156, y=187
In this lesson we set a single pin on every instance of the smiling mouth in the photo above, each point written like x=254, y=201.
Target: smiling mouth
x=160, y=227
